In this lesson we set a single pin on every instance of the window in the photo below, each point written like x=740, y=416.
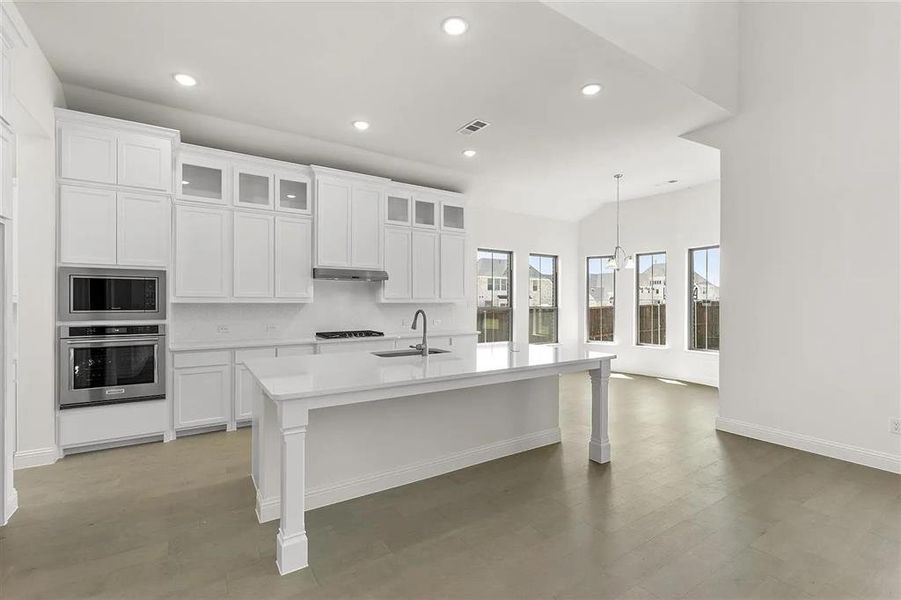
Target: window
x=542, y=299
x=494, y=313
x=601, y=290
x=704, y=298
x=650, y=283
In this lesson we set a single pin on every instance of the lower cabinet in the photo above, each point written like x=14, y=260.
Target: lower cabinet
x=202, y=389
x=244, y=381
x=356, y=346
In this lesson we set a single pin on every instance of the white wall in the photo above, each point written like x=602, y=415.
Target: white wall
x=810, y=231
x=36, y=91
x=670, y=223
x=523, y=235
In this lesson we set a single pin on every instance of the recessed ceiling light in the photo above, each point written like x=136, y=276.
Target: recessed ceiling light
x=291, y=196
x=469, y=153
x=454, y=26
x=591, y=89
x=185, y=182
x=361, y=125
x=184, y=79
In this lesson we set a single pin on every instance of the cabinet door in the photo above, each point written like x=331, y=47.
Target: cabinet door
x=333, y=223
x=253, y=187
x=87, y=154
x=202, y=179
x=452, y=216
x=202, y=256
x=425, y=265
x=87, y=225
x=143, y=230
x=366, y=228
x=293, y=258
x=7, y=170
x=397, y=264
x=145, y=161
x=203, y=396
x=425, y=213
x=453, y=266
x=244, y=381
x=292, y=193
x=397, y=208
x=254, y=243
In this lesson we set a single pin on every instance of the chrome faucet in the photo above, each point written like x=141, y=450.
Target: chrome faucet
x=424, y=346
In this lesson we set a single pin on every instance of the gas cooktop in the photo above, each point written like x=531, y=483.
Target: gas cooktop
x=355, y=333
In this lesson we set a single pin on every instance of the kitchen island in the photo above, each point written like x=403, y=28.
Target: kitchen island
x=327, y=428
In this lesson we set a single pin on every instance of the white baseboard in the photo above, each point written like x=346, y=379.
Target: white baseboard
x=800, y=441
x=25, y=459
x=377, y=482
x=11, y=506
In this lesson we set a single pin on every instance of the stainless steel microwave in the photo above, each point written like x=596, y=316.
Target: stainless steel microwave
x=110, y=294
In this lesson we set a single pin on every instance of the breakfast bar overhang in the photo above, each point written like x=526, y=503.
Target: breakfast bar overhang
x=375, y=417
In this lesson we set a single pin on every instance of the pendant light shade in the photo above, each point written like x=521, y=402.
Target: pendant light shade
x=619, y=260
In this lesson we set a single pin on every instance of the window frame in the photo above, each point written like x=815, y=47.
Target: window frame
x=689, y=332
x=556, y=306
x=603, y=260
x=509, y=309
x=636, y=331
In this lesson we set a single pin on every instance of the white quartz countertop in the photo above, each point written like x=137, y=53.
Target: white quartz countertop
x=185, y=346
x=321, y=375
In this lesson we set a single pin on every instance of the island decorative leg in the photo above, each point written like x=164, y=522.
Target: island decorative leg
x=292, y=536
x=599, y=446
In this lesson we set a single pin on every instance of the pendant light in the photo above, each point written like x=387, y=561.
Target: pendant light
x=619, y=260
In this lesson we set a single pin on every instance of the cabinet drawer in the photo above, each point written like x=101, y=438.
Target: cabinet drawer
x=251, y=353
x=295, y=350
x=181, y=360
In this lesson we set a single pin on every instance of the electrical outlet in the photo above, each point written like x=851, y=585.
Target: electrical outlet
x=270, y=328
x=436, y=322
x=222, y=329
x=895, y=425
x=404, y=323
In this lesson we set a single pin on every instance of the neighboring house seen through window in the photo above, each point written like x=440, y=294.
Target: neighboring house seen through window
x=542, y=299
x=650, y=283
x=494, y=312
x=704, y=298
x=601, y=292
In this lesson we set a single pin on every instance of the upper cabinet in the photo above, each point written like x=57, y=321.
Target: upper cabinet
x=253, y=186
x=398, y=207
x=293, y=192
x=7, y=170
x=113, y=152
x=349, y=221
x=425, y=212
x=202, y=178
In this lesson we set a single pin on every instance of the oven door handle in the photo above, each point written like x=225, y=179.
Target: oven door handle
x=109, y=342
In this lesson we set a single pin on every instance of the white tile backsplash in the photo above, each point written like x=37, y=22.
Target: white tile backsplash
x=336, y=305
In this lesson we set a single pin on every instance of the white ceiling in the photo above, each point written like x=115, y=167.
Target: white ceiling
x=311, y=69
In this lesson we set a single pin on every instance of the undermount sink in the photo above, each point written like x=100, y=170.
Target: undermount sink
x=408, y=352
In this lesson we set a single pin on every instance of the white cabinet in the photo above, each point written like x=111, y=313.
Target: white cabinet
x=202, y=389
x=356, y=346
x=366, y=228
x=7, y=170
x=292, y=193
x=398, y=249
x=145, y=161
x=87, y=225
x=202, y=252
x=202, y=178
x=244, y=383
x=453, y=266
x=294, y=351
x=142, y=230
x=453, y=216
x=425, y=212
x=424, y=265
x=108, y=151
x=252, y=186
x=348, y=219
x=333, y=223
x=254, y=240
x=293, y=258
x=87, y=154
x=397, y=207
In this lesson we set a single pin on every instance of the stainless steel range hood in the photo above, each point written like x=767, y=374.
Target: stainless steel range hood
x=349, y=274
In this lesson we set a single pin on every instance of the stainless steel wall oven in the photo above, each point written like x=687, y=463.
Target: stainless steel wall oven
x=107, y=364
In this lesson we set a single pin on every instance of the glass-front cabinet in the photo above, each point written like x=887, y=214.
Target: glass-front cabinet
x=253, y=187
x=293, y=192
x=397, y=209
x=202, y=178
x=425, y=212
x=452, y=216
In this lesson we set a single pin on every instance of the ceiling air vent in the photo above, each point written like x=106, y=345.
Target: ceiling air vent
x=473, y=126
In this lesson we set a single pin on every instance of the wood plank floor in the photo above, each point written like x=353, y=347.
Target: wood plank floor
x=682, y=512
